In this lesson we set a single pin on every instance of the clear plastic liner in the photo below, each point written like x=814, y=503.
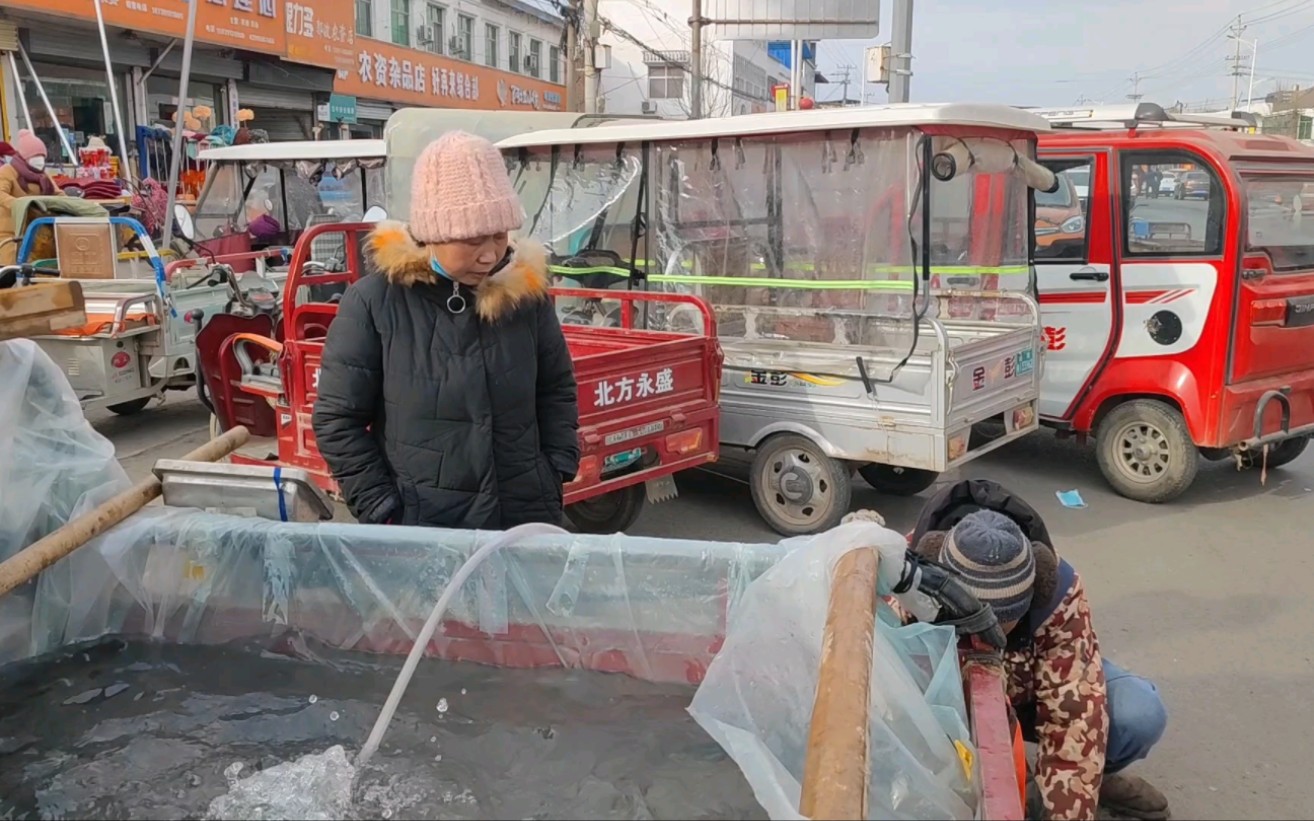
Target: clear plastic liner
x=757, y=698
x=53, y=465
x=656, y=609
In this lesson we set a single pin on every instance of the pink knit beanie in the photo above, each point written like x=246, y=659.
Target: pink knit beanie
x=460, y=190
x=29, y=145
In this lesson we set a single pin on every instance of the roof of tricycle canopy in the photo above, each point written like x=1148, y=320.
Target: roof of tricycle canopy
x=297, y=150
x=975, y=115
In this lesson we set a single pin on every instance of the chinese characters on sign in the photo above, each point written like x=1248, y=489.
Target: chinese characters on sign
x=301, y=21
x=1056, y=339
x=242, y=21
x=776, y=379
x=627, y=388
x=415, y=76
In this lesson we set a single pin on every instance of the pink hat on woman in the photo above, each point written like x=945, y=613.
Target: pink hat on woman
x=460, y=190
x=29, y=145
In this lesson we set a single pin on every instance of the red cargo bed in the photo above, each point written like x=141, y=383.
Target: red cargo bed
x=648, y=400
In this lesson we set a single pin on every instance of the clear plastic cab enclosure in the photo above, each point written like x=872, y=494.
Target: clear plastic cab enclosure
x=869, y=267
x=410, y=130
x=265, y=194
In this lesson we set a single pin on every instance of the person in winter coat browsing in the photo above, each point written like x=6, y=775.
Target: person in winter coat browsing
x=24, y=176
x=447, y=395
x=1090, y=718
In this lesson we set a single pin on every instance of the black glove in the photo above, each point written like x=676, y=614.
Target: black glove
x=958, y=607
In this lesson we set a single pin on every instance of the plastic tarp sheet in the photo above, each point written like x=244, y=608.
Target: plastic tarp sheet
x=657, y=609
x=808, y=246
x=756, y=700
x=53, y=465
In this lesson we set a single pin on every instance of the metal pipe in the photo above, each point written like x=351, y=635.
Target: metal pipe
x=1250, y=94
x=114, y=95
x=22, y=95
x=166, y=235
x=901, y=51
x=593, y=32
x=696, y=59
x=50, y=109
x=145, y=75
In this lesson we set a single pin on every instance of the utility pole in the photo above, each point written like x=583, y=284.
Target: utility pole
x=572, y=12
x=901, y=51
x=696, y=22
x=1235, y=60
x=593, y=32
x=847, y=69
x=1136, y=94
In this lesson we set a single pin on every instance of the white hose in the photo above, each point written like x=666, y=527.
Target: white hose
x=422, y=641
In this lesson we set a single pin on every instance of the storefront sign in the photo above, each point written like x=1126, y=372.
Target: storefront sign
x=255, y=25
x=341, y=108
x=321, y=34
x=314, y=32
x=383, y=71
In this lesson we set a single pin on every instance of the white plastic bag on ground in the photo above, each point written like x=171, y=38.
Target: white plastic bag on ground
x=756, y=700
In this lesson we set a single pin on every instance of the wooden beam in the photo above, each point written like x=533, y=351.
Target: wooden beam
x=36, y=310
x=838, y=765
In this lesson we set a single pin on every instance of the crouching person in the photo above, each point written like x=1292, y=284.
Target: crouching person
x=447, y=395
x=1090, y=718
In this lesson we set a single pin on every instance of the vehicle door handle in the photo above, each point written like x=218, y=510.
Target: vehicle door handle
x=1090, y=275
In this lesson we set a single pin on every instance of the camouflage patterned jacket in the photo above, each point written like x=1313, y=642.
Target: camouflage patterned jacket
x=1056, y=685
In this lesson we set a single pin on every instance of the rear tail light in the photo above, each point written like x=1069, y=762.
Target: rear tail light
x=1268, y=312
x=685, y=442
x=590, y=468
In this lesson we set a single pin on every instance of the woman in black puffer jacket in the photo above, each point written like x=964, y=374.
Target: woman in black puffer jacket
x=447, y=396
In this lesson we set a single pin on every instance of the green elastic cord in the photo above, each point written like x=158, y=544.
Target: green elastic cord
x=815, y=284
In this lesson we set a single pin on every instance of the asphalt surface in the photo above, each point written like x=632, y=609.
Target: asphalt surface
x=1208, y=596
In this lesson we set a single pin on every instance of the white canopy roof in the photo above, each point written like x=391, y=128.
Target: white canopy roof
x=903, y=114
x=297, y=150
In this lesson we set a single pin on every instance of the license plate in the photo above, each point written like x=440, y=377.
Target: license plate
x=1300, y=311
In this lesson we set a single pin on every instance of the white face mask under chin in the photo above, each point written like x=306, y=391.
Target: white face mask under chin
x=37, y=163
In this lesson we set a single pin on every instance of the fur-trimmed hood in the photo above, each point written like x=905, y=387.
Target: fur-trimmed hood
x=395, y=254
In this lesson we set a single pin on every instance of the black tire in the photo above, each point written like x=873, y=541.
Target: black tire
x=797, y=488
x=1283, y=453
x=129, y=408
x=1145, y=451
x=897, y=481
x=613, y=512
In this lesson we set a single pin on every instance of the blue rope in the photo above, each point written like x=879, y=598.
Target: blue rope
x=278, y=485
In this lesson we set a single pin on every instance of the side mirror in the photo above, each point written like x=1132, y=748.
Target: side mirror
x=183, y=218
x=376, y=213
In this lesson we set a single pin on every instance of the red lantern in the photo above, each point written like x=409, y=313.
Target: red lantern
x=806, y=103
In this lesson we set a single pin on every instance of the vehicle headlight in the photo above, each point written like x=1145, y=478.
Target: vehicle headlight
x=1074, y=225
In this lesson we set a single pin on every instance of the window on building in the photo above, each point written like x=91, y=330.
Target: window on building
x=513, y=51
x=436, y=19
x=465, y=35
x=1305, y=128
x=491, y=36
x=365, y=18
x=535, y=66
x=401, y=22
x=554, y=64
x=665, y=82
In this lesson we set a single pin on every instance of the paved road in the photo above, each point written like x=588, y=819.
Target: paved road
x=1187, y=594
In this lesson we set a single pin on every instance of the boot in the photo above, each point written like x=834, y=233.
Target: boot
x=1127, y=796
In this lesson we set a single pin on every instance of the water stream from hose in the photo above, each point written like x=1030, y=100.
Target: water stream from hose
x=422, y=641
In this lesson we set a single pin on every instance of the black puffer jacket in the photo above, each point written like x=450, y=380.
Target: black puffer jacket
x=430, y=417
